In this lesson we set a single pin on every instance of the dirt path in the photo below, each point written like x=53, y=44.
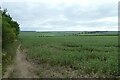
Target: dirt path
x=21, y=68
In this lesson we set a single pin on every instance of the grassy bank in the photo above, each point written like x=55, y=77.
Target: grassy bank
x=8, y=55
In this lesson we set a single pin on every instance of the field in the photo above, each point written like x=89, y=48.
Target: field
x=91, y=56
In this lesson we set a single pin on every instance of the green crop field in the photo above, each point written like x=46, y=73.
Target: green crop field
x=87, y=55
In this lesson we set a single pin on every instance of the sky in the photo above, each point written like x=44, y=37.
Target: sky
x=64, y=15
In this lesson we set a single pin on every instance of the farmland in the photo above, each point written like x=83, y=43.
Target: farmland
x=94, y=56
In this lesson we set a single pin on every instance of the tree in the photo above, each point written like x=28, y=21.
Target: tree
x=10, y=28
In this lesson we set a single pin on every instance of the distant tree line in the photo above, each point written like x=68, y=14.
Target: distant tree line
x=10, y=28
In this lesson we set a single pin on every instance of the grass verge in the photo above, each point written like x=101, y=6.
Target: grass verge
x=8, y=55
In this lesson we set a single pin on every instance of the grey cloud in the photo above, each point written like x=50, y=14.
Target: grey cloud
x=76, y=12
x=34, y=16
x=74, y=23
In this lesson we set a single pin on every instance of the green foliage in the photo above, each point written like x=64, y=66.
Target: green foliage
x=10, y=28
x=10, y=31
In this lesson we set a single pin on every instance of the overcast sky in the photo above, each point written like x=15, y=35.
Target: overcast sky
x=64, y=15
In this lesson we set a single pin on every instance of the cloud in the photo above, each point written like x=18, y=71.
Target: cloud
x=64, y=14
